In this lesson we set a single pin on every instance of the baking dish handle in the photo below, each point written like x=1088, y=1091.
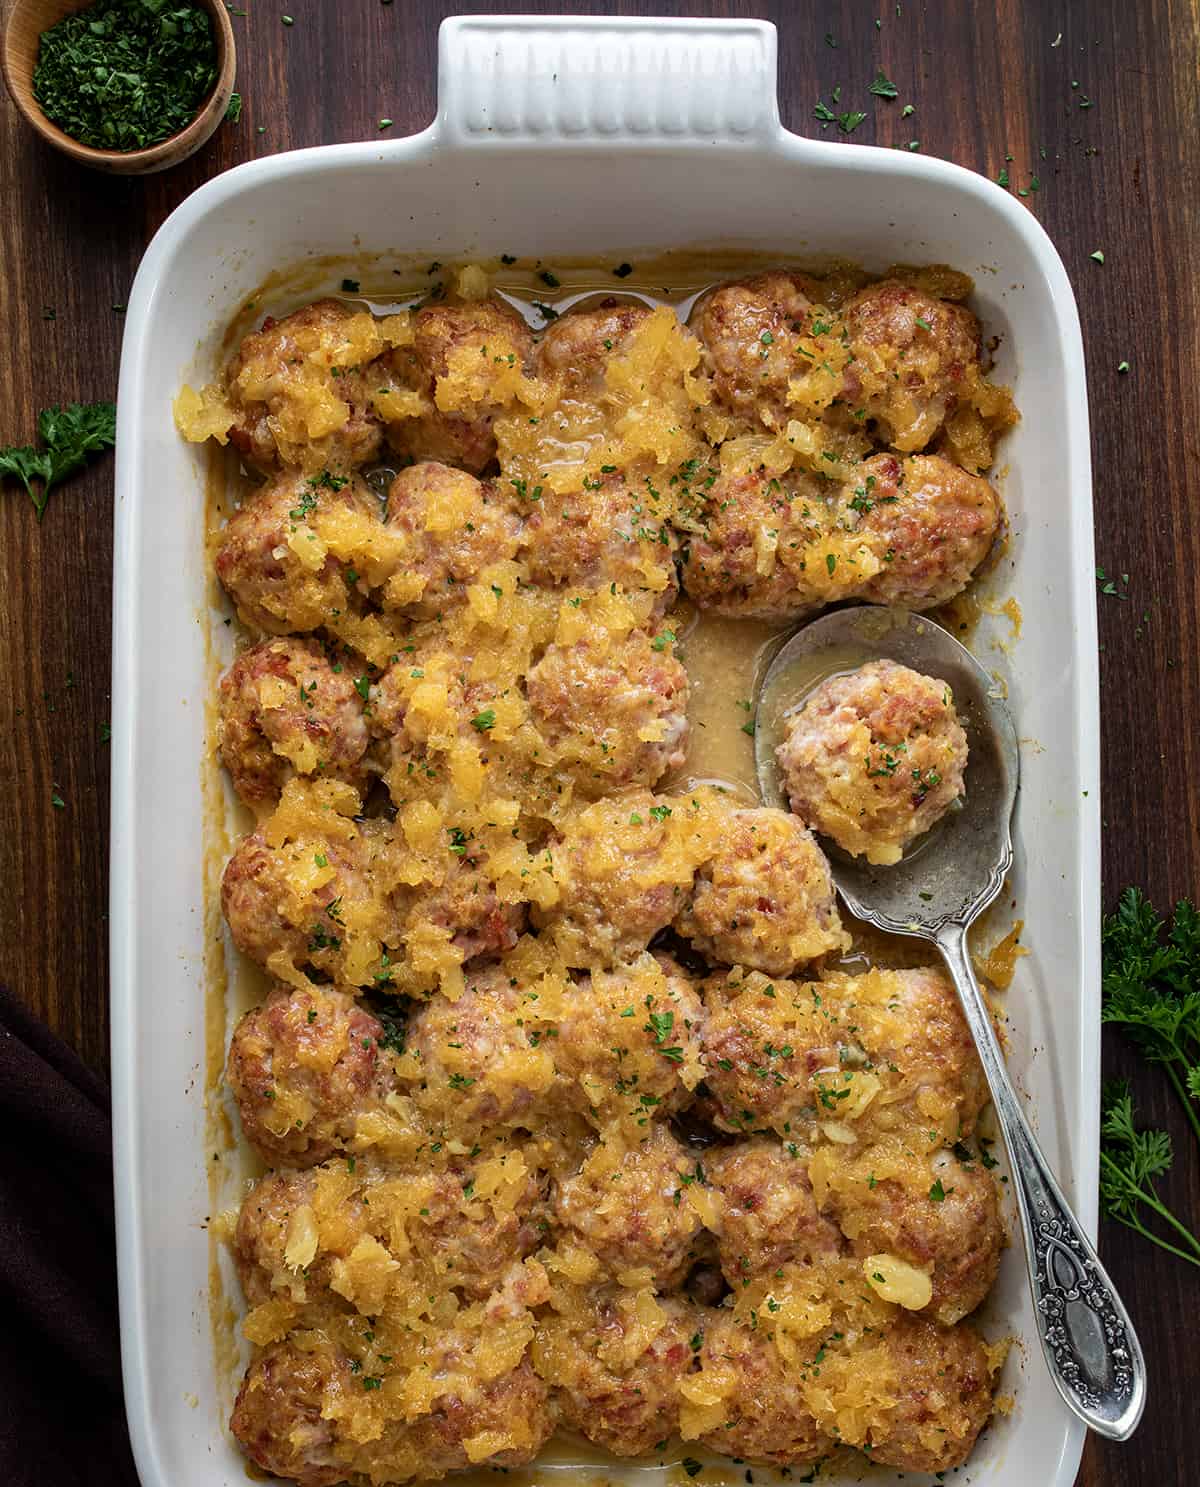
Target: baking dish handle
x=611, y=81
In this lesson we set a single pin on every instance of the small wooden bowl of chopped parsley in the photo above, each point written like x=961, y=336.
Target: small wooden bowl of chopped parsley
x=127, y=86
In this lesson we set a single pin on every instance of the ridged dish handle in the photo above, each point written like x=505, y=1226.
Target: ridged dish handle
x=605, y=80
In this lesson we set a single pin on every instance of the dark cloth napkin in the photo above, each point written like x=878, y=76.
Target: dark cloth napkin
x=62, y=1414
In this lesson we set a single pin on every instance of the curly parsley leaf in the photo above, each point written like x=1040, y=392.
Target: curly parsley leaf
x=1151, y=991
x=71, y=435
x=1151, y=988
x=1130, y=1160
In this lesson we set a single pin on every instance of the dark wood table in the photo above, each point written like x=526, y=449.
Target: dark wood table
x=1093, y=105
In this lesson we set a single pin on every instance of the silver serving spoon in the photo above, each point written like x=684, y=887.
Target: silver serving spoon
x=936, y=892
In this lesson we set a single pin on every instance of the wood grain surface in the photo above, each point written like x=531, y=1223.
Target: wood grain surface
x=1096, y=99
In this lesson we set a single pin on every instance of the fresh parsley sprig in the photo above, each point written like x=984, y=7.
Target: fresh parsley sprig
x=71, y=435
x=1130, y=1160
x=1151, y=990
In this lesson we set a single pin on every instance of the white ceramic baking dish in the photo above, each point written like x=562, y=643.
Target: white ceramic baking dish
x=570, y=136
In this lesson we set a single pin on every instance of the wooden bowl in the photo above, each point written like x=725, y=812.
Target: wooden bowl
x=27, y=20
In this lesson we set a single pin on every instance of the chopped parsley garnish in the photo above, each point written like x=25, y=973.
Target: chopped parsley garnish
x=485, y=720
x=882, y=88
x=327, y=480
x=126, y=74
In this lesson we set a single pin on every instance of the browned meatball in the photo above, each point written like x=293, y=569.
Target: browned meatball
x=929, y=524
x=453, y=527
x=944, y=1381
x=764, y=546
x=481, y=1058
x=466, y=907
x=277, y=1215
x=424, y=702
x=861, y=1056
x=286, y=710
x=628, y=1204
x=766, y=1213
x=273, y=561
x=875, y=758
x=288, y=906
x=278, y=1419
x=450, y=1237
x=750, y=330
x=576, y=347
x=448, y=900
x=302, y=1066
x=911, y=1029
x=623, y=867
x=514, y=1408
x=647, y=1062
x=759, y=1038
x=466, y=362
x=741, y=531
x=615, y=1383
x=913, y=357
x=612, y=709
x=940, y=1216
x=611, y=531
x=767, y=1421
x=301, y=392
x=764, y=898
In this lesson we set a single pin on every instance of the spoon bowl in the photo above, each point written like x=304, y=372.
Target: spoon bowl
x=935, y=892
x=954, y=871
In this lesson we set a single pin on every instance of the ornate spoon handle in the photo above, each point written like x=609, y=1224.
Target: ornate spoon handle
x=1089, y=1343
